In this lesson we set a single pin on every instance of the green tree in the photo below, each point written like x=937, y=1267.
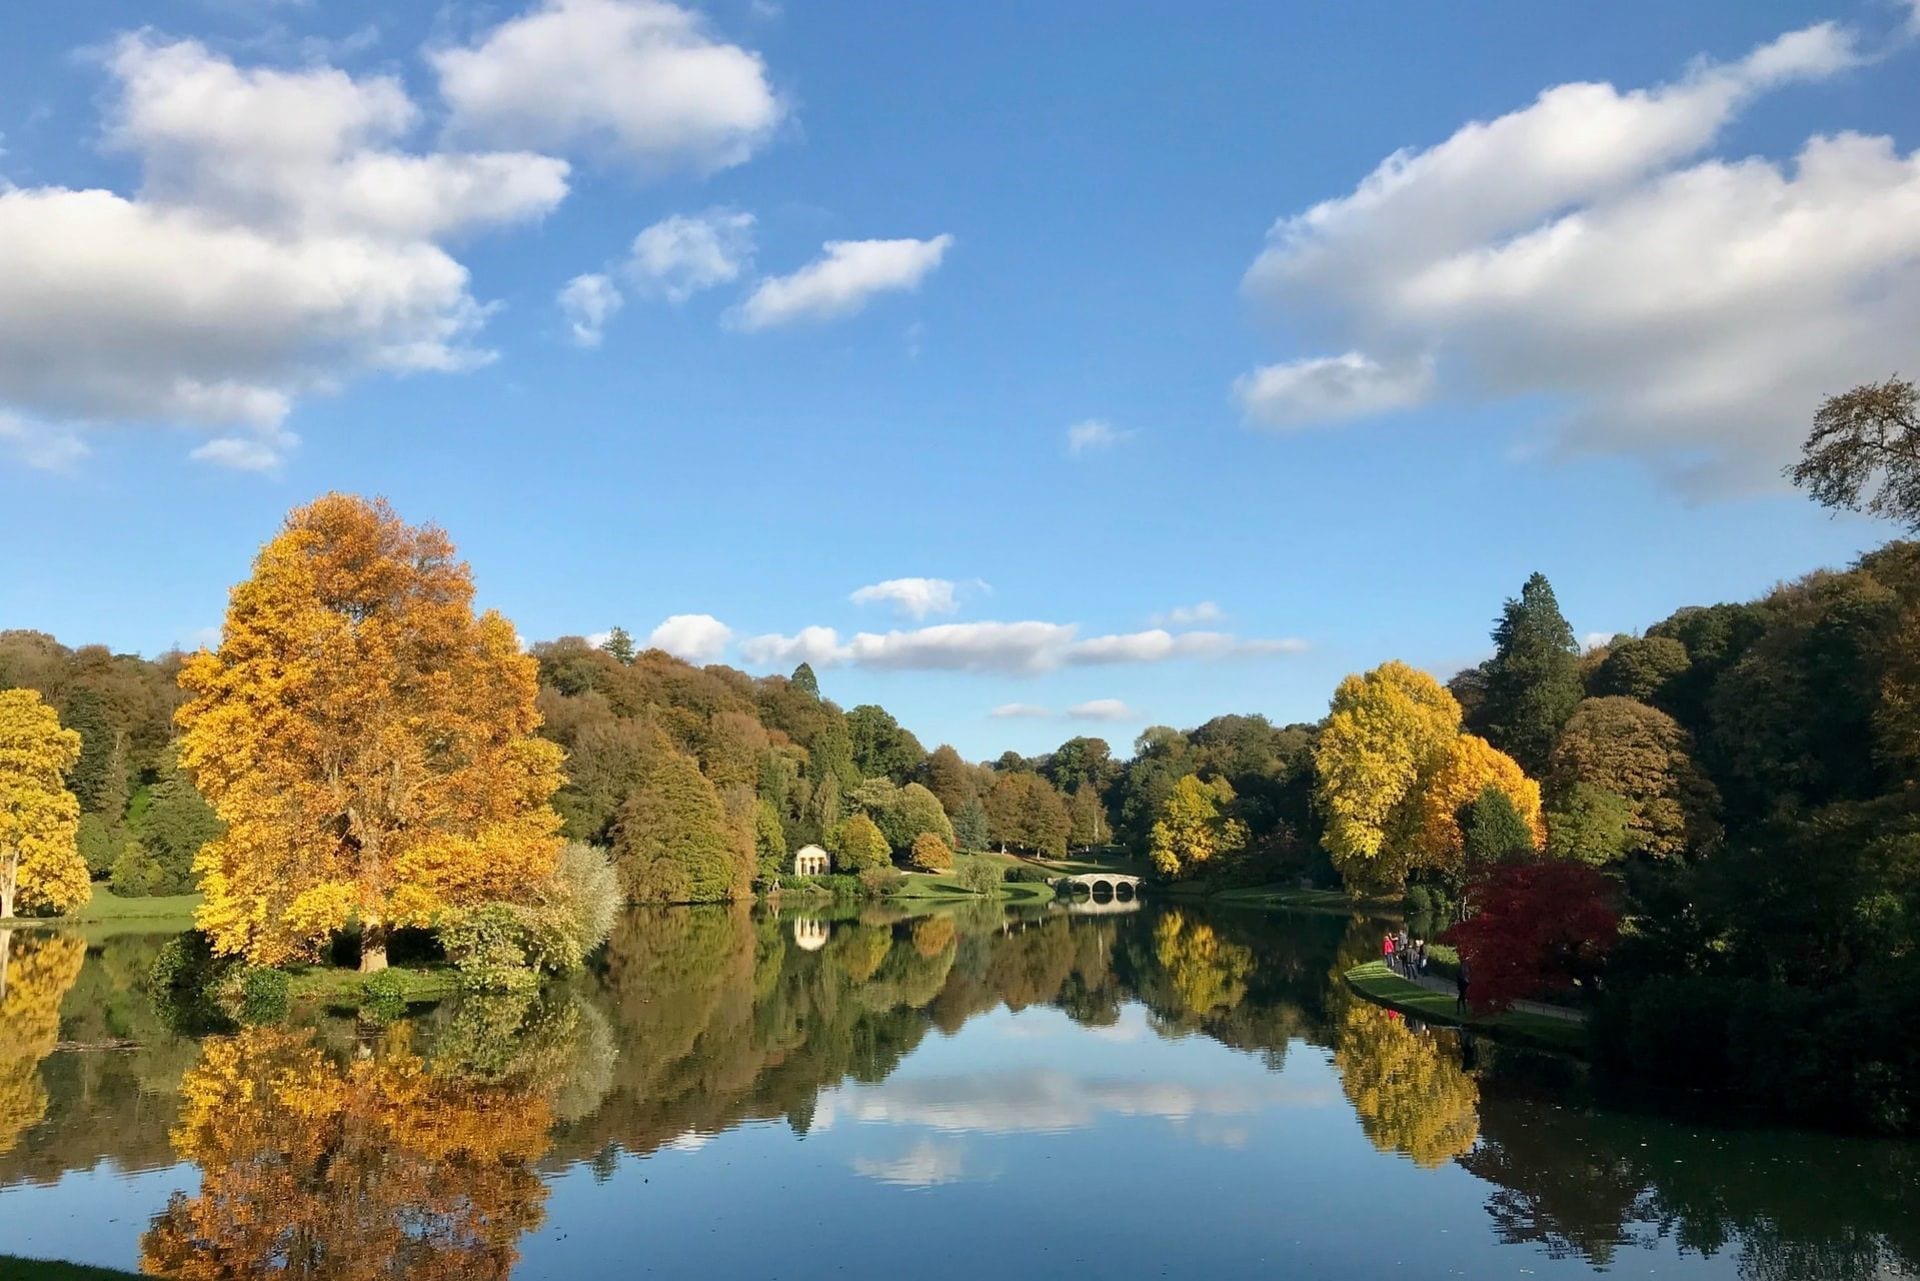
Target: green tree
x=1078, y=761
x=619, y=643
x=177, y=823
x=1642, y=668
x=1533, y=681
x=1591, y=826
x=970, y=828
x=1863, y=453
x=1494, y=829
x=769, y=840
x=1193, y=831
x=671, y=843
x=1089, y=817
x=859, y=845
x=804, y=681
x=950, y=779
x=881, y=748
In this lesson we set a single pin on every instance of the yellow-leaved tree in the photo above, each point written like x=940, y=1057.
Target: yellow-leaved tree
x=367, y=740
x=1468, y=767
x=35, y=973
x=1388, y=730
x=40, y=863
x=1192, y=829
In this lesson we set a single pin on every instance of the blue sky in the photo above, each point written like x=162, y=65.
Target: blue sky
x=252, y=251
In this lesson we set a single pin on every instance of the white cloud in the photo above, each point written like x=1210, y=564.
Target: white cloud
x=589, y=302
x=915, y=597
x=679, y=256
x=1023, y=648
x=1019, y=711
x=1688, y=311
x=643, y=79
x=1093, y=434
x=819, y=646
x=1317, y=389
x=41, y=447
x=279, y=245
x=1913, y=17
x=1187, y=615
x=842, y=280
x=1103, y=709
x=697, y=638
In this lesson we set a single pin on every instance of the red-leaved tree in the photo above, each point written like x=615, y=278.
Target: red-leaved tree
x=1536, y=927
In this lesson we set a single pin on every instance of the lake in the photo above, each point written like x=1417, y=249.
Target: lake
x=1164, y=1092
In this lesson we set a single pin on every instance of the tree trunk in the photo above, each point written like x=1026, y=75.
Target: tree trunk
x=373, y=949
x=9, y=882
x=6, y=951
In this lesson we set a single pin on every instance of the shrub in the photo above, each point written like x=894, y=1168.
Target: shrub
x=136, y=873
x=860, y=845
x=1021, y=874
x=881, y=882
x=383, y=996
x=574, y=910
x=263, y=995
x=487, y=945
x=982, y=876
x=930, y=854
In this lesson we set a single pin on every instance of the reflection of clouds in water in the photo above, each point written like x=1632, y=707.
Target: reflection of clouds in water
x=1214, y=1134
x=926, y=1164
x=1042, y=1100
x=691, y=1141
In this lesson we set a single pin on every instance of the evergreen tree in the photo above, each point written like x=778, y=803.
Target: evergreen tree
x=804, y=680
x=1494, y=829
x=619, y=643
x=1533, y=682
x=970, y=830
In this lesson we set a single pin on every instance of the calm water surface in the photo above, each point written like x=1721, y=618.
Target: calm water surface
x=1168, y=1092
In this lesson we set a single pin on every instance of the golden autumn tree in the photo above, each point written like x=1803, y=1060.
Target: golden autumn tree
x=1469, y=766
x=366, y=738
x=40, y=863
x=1386, y=732
x=375, y=1171
x=1192, y=830
x=1209, y=974
x=35, y=972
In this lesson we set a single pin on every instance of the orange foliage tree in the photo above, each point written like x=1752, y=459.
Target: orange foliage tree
x=368, y=741
x=40, y=863
x=378, y=1170
x=1471, y=765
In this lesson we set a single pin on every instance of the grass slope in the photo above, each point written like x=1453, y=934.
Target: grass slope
x=1382, y=986
x=13, y=1268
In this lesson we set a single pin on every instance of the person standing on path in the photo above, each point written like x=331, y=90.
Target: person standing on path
x=1386, y=948
x=1403, y=948
x=1460, y=979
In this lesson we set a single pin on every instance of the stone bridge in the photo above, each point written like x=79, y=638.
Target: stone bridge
x=1118, y=884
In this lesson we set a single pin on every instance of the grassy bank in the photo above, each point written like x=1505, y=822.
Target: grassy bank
x=18, y=1269
x=1382, y=986
x=341, y=990
x=108, y=914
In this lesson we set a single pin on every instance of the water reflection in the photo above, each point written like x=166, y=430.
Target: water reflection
x=334, y=1149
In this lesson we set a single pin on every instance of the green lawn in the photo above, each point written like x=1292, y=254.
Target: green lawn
x=107, y=914
x=1377, y=983
x=13, y=1268
x=944, y=885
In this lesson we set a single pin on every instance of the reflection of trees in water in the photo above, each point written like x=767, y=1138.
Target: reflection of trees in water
x=1587, y=1182
x=35, y=972
x=1208, y=975
x=380, y=1168
x=1407, y=1086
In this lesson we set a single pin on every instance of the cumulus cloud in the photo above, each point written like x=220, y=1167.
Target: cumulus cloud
x=1023, y=648
x=1103, y=709
x=1187, y=615
x=842, y=280
x=38, y=446
x=1092, y=435
x=589, y=302
x=698, y=638
x=643, y=79
x=280, y=244
x=1019, y=712
x=679, y=256
x=915, y=597
x=1687, y=310
x=927, y=1164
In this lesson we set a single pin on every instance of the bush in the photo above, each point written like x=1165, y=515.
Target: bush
x=487, y=945
x=184, y=979
x=882, y=882
x=383, y=996
x=1021, y=874
x=930, y=854
x=574, y=910
x=982, y=876
x=263, y=995
x=860, y=845
x=136, y=873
